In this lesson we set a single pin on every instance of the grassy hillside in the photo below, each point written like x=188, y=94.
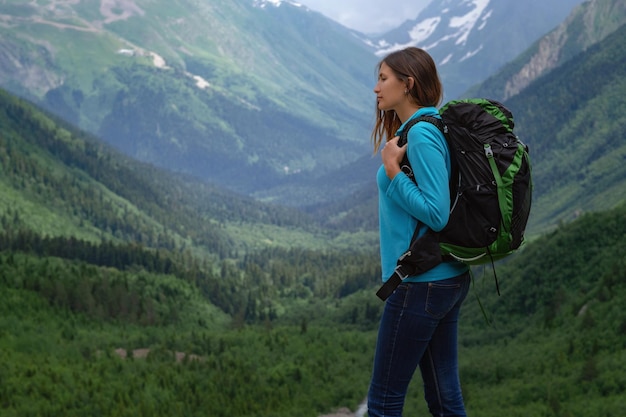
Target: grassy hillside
x=61, y=181
x=222, y=90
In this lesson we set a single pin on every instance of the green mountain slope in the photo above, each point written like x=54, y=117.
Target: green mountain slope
x=588, y=24
x=554, y=345
x=225, y=90
x=573, y=120
x=59, y=181
x=65, y=194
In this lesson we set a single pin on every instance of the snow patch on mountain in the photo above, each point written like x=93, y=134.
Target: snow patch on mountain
x=423, y=34
x=418, y=34
x=470, y=54
x=465, y=24
x=276, y=3
x=424, y=29
x=263, y=3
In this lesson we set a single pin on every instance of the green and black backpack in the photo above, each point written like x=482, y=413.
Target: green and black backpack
x=490, y=190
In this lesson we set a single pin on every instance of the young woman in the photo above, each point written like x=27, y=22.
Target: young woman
x=419, y=322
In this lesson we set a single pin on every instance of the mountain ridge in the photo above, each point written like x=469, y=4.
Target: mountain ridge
x=461, y=36
x=252, y=98
x=579, y=31
x=239, y=74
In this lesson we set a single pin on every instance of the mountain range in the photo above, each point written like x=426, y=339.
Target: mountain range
x=263, y=98
x=187, y=107
x=232, y=92
x=471, y=40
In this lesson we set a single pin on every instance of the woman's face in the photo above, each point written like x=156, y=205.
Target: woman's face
x=389, y=90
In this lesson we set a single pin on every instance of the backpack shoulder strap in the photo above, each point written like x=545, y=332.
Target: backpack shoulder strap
x=430, y=119
x=435, y=256
x=405, y=165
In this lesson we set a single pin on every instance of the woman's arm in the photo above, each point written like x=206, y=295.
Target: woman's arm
x=429, y=200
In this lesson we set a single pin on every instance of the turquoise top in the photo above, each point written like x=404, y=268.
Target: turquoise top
x=403, y=204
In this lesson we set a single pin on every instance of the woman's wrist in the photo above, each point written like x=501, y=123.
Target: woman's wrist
x=392, y=171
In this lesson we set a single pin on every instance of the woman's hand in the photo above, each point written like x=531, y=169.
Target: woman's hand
x=392, y=155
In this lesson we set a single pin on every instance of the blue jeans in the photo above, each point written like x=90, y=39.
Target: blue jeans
x=419, y=327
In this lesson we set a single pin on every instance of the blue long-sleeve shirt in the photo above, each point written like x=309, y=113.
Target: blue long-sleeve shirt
x=403, y=204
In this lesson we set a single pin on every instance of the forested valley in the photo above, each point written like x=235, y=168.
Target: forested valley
x=128, y=292
x=83, y=336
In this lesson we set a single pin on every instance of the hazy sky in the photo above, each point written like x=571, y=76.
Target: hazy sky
x=367, y=16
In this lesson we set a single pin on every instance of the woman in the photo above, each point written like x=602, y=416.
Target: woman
x=419, y=321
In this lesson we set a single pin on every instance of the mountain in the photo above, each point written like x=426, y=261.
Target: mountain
x=59, y=181
x=266, y=98
x=239, y=92
x=472, y=39
x=573, y=119
x=588, y=24
x=469, y=40
x=72, y=202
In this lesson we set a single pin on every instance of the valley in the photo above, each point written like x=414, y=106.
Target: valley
x=157, y=259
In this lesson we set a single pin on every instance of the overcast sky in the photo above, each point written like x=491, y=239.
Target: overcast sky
x=368, y=16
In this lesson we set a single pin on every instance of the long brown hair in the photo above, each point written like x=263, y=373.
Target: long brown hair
x=427, y=90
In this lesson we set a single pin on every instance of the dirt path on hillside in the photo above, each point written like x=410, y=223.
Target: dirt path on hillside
x=111, y=11
x=127, y=7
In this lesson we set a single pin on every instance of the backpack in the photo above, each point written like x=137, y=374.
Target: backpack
x=490, y=190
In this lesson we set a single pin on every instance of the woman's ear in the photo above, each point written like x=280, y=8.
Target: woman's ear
x=410, y=83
